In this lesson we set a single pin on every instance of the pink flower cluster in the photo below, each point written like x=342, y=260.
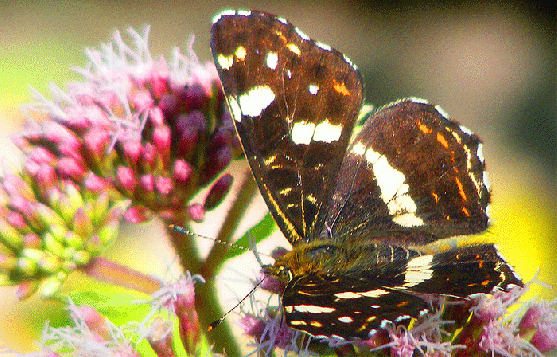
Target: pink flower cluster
x=136, y=137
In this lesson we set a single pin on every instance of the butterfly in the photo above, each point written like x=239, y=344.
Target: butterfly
x=357, y=208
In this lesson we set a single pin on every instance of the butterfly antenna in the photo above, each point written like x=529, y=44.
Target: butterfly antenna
x=183, y=230
x=190, y=233
x=217, y=322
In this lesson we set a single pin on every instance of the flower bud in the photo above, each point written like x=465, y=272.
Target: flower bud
x=196, y=211
x=218, y=192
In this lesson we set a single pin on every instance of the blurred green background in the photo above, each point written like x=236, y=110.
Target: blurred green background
x=490, y=65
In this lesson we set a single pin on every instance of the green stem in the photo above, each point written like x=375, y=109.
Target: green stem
x=246, y=192
x=207, y=304
x=208, y=310
x=185, y=248
x=206, y=301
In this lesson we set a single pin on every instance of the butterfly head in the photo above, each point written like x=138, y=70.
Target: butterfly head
x=304, y=259
x=278, y=271
x=317, y=258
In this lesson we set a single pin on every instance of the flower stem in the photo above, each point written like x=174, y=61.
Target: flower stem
x=209, y=310
x=185, y=248
x=206, y=301
x=246, y=192
x=111, y=272
x=207, y=304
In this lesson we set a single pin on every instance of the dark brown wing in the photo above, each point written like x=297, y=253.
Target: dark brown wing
x=294, y=103
x=352, y=304
x=411, y=172
x=350, y=309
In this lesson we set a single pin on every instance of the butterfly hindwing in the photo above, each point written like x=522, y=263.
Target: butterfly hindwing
x=333, y=306
x=459, y=272
x=351, y=298
x=412, y=172
x=294, y=104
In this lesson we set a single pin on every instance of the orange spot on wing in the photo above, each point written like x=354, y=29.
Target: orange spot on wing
x=281, y=36
x=460, y=189
x=424, y=129
x=465, y=211
x=402, y=304
x=341, y=88
x=442, y=140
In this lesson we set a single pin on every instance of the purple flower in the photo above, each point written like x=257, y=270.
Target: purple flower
x=540, y=324
x=136, y=122
x=268, y=329
x=178, y=298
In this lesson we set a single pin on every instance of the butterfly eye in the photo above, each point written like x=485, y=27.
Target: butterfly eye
x=284, y=274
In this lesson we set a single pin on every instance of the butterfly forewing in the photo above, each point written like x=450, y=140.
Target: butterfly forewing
x=294, y=103
x=423, y=175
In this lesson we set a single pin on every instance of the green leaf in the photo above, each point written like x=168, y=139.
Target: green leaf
x=256, y=234
x=143, y=348
x=118, y=304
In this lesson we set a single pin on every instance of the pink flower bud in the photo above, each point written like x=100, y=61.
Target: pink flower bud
x=41, y=155
x=97, y=143
x=161, y=141
x=182, y=172
x=195, y=97
x=95, y=183
x=126, y=178
x=168, y=104
x=164, y=185
x=196, y=211
x=156, y=117
x=137, y=214
x=216, y=162
x=132, y=152
x=72, y=169
x=147, y=183
x=545, y=338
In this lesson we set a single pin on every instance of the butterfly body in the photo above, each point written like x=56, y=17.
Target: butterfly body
x=356, y=210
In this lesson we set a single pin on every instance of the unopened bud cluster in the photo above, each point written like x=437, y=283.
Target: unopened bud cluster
x=137, y=133
x=48, y=228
